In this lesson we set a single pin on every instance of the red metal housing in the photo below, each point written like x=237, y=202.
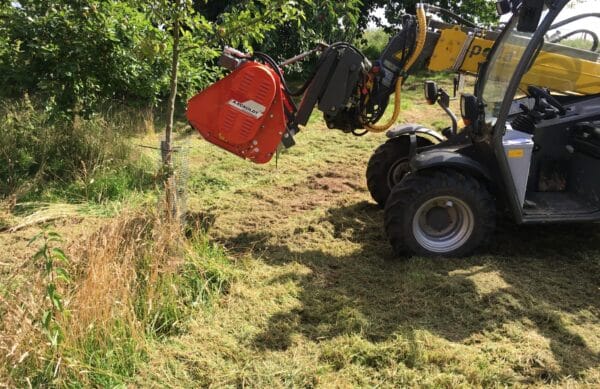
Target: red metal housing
x=242, y=113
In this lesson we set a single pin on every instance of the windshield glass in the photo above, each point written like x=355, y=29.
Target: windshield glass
x=567, y=63
x=501, y=68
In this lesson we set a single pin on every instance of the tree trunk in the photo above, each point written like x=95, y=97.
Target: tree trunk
x=173, y=92
x=166, y=147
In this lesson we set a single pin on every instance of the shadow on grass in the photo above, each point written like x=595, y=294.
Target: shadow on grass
x=530, y=275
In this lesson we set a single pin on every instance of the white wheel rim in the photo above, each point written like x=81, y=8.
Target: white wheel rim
x=443, y=224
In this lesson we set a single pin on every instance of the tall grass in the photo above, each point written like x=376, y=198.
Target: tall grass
x=89, y=160
x=135, y=281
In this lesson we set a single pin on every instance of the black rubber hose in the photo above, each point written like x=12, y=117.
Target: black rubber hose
x=591, y=33
x=450, y=14
x=302, y=89
x=574, y=18
x=271, y=62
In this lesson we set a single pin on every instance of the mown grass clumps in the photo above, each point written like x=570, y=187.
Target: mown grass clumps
x=135, y=281
x=81, y=160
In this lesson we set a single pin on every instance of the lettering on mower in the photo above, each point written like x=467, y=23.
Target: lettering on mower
x=249, y=107
x=478, y=50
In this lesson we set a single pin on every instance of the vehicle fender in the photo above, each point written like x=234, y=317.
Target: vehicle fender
x=406, y=129
x=450, y=159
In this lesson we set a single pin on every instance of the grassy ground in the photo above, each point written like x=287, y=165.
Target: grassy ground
x=320, y=300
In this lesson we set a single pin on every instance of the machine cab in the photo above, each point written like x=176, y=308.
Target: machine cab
x=539, y=99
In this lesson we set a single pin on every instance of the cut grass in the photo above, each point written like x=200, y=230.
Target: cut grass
x=315, y=297
x=322, y=302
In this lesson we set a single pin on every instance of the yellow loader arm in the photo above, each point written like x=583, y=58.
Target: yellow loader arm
x=459, y=51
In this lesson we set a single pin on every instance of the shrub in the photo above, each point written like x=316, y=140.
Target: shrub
x=85, y=159
x=373, y=42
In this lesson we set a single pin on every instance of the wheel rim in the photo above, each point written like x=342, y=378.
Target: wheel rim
x=443, y=224
x=397, y=172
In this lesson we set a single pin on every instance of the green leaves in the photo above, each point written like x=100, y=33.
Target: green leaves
x=53, y=274
x=314, y=21
x=78, y=55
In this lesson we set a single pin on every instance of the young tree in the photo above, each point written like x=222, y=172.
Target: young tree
x=240, y=24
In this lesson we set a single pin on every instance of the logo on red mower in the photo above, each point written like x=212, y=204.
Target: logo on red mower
x=250, y=107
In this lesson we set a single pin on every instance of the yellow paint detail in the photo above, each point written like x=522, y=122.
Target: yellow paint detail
x=516, y=153
x=447, y=49
x=476, y=55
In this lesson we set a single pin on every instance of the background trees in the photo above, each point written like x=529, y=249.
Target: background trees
x=67, y=61
x=77, y=54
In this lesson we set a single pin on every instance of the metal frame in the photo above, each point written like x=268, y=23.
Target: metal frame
x=457, y=151
x=500, y=125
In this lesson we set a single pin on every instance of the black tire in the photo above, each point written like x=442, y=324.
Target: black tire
x=388, y=165
x=439, y=213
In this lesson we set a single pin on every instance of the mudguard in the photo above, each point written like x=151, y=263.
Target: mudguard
x=446, y=158
x=421, y=131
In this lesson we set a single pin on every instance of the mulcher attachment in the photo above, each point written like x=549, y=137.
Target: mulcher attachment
x=242, y=113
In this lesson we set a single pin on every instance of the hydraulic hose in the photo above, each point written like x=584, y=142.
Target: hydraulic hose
x=422, y=34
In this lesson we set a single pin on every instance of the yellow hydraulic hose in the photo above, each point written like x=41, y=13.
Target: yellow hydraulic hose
x=422, y=33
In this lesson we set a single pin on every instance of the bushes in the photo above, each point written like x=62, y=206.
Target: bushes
x=373, y=42
x=84, y=160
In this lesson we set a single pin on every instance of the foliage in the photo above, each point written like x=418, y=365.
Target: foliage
x=373, y=42
x=52, y=262
x=54, y=273
x=480, y=11
x=325, y=21
x=78, y=54
x=91, y=161
x=208, y=25
x=578, y=43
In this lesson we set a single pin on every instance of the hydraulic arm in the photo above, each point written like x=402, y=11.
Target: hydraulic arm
x=252, y=111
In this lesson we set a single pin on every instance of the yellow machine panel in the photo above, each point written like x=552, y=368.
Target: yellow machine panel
x=564, y=74
x=554, y=70
x=458, y=51
x=477, y=53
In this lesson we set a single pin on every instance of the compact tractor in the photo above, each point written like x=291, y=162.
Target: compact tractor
x=530, y=136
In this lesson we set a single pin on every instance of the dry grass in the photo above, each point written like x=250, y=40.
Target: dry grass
x=134, y=279
x=111, y=257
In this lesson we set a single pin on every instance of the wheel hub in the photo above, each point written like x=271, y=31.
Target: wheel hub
x=397, y=172
x=438, y=219
x=443, y=224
